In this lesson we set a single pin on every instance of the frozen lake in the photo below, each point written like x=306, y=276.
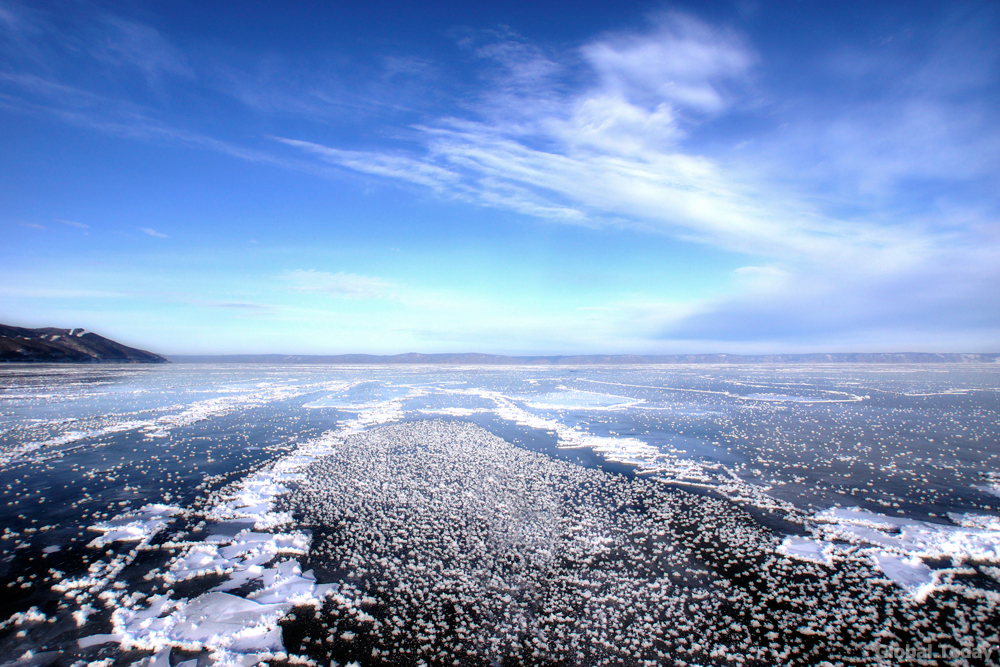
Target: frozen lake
x=553, y=515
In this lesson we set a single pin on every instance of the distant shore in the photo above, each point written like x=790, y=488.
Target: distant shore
x=590, y=359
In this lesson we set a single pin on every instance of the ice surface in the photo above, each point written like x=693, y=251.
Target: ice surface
x=72, y=430
x=785, y=398
x=159, y=659
x=633, y=451
x=198, y=561
x=980, y=521
x=69, y=437
x=220, y=620
x=993, y=484
x=453, y=412
x=575, y=399
x=226, y=623
x=244, y=548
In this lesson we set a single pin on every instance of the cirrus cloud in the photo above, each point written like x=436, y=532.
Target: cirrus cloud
x=340, y=284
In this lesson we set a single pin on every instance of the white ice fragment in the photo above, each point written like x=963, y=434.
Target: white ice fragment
x=980, y=521
x=912, y=574
x=136, y=527
x=198, y=561
x=159, y=659
x=807, y=549
x=909, y=537
x=230, y=622
x=97, y=640
x=81, y=614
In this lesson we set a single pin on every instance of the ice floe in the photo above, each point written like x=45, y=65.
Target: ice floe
x=226, y=624
x=807, y=549
x=900, y=547
x=911, y=573
x=576, y=399
x=908, y=537
x=136, y=527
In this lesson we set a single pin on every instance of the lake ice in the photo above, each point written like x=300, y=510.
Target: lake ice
x=587, y=515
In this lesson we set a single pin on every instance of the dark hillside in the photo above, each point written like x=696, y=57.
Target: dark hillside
x=51, y=345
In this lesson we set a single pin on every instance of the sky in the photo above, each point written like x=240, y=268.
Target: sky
x=503, y=177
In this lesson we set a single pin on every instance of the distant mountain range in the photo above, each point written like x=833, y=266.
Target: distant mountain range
x=51, y=345
x=475, y=359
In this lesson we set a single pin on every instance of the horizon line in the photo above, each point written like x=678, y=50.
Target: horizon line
x=486, y=358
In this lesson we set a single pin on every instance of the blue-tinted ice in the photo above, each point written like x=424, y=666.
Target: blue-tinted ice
x=140, y=499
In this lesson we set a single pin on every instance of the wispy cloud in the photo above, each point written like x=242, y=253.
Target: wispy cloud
x=31, y=225
x=682, y=62
x=829, y=203
x=392, y=166
x=123, y=43
x=71, y=223
x=612, y=153
x=153, y=233
x=238, y=305
x=346, y=285
x=868, y=210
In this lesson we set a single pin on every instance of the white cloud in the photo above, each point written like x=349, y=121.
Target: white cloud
x=126, y=43
x=762, y=278
x=612, y=154
x=71, y=223
x=378, y=164
x=153, y=232
x=683, y=61
x=616, y=152
x=347, y=285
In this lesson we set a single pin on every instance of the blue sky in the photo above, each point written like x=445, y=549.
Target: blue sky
x=513, y=178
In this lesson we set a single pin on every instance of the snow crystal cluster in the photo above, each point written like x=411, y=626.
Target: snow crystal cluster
x=464, y=549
